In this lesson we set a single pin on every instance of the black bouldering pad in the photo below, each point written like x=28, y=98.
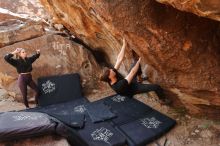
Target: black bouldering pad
x=139, y=123
x=135, y=122
x=74, y=120
x=99, y=112
x=126, y=109
x=146, y=129
x=58, y=89
x=71, y=134
x=70, y=113
x=101, y=134
x=18, y=125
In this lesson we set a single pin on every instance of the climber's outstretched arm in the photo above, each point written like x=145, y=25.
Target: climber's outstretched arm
x=133, y=71
x=120, y=56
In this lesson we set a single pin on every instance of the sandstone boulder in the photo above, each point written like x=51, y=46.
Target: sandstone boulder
x=15, y=30
x=29, y=8
x=204, y=8
x=181, y=49
x=58, y=56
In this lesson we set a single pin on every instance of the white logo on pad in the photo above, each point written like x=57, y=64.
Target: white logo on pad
x=102, y=134
x=48, y=87
x=150, y=122
x=118, y=98
x=80, y=109
x=26, y=116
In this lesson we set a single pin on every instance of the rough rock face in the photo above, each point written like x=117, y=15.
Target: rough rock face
x=204, y=8
x=181, y=49
x=15, y=30
x=59, y=56
x=30, y=8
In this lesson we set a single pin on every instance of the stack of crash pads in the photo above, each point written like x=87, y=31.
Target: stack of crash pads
x=112, y=121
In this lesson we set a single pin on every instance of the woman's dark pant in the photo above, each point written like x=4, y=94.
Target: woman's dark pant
x=25, y=80
x=137, y=88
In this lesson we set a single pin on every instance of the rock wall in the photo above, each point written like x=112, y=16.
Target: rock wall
x=30, y=8
x=16, y=30
x=180, y=49
x=59, y=56
x=59, y=53
x=204, y=8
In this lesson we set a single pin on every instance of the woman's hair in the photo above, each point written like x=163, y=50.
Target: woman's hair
x=105, y=75
x=19, y=51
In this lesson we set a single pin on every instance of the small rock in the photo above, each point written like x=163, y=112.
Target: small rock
x=3, y=93
x=83, y=83
x=193, y=133
x=168, y=143
x=187, y=116
x=58, y=66
x=72, y=36
x=12, y=94
x=95, y=91
x=206, y=134
x=197, y=131
x=58, y=26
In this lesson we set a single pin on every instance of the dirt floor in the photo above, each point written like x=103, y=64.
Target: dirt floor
x=189, y=131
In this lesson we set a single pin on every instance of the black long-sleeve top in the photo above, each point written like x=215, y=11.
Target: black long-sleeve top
x=22, y=65
x=121, y=86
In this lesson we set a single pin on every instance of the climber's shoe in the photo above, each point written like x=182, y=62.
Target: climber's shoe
x=140, y=79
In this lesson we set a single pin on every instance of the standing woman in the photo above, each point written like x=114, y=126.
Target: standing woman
x=23, y=64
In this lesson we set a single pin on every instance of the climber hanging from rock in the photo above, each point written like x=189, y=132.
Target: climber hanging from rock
x=130, y=85
x=23, y=64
